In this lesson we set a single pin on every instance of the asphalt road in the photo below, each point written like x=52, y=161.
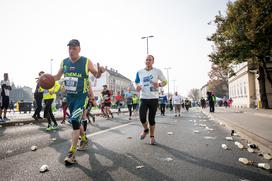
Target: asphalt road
x=115, y=151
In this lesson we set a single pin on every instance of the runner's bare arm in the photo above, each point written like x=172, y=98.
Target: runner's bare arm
x=96, y=72
x=58, y=75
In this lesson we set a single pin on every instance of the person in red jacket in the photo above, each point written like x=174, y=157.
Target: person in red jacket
x=118, y=99
x=106, y=97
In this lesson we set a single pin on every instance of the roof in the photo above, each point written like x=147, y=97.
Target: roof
x=116, y=74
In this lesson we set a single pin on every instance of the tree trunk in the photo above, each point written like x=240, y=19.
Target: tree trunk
x=267, y=72
x=262, y=87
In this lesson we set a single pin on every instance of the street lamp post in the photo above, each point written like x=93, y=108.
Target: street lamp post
x=146, y=37
x=174, y=82
x=167, y=69
x=51, y=61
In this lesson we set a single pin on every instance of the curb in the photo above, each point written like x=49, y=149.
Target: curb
x=263, y=143
x=31, y=120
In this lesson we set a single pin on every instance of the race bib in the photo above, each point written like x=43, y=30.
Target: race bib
x=153, y=89
x=71, y=84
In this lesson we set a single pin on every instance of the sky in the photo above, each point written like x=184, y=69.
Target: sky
x=34, y=32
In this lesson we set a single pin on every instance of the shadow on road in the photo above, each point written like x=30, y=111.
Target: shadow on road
x=124, y=161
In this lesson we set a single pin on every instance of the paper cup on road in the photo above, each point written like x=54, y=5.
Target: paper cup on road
x=196, y=131
x=168, y=159
x=229, y=138
x=264, y=166
x=267, y=156
x=170, y=133
x=34, y=148
x=139, y=167
x=224, y=146
x=44, y=168
x=239, y=145
x=245, y=161
x=250, y=150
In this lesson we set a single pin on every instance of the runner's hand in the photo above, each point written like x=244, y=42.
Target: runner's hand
x=100, y=69
x=138, y=88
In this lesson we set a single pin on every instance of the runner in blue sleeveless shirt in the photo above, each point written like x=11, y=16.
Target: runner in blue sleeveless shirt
x=76, y=70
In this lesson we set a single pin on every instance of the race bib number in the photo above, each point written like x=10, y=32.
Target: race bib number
x=153, y=89
x=71, y=84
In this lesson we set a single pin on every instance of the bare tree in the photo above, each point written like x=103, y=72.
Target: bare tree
x=194, y=94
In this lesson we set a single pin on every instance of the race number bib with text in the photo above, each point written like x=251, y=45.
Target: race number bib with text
x=71, y=84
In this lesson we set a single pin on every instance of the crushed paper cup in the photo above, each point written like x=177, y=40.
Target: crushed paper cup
x=44, y=168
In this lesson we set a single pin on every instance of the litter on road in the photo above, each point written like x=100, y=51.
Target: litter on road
x=9, y=151
x=229, y=138
x=239, y=145
x=196, y=131
x=139, y=167
x=254, y=146
x=34, y=148
x=265, y=166
x=44, y=168
x=245, y=161
x=170, y=133
x=267, y=156
x=224, y=146
x=209, y=129
x=209, y=137
x=250, y=150
x=168, y=159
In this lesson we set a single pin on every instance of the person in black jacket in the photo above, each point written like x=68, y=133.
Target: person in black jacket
x=38, y=96
x=5, y=91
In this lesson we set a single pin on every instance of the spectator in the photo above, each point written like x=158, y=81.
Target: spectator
x=162, y=102
x=203, y=103
x=38, y=96
x=6, y=88
x=118, y=99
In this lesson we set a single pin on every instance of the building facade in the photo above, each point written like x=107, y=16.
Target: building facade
x=244, y=87
x=203, y=91
x=113, y=79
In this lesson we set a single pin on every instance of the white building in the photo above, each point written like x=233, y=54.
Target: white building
x=203, y=91
x=244, y=87
x=114, y=80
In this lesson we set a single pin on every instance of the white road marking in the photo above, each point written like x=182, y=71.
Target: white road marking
x=107, y=130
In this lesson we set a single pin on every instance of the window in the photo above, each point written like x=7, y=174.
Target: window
x=245, y=89
x=241, y=90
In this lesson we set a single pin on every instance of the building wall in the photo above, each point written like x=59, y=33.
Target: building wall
x=114, y=83
x=240, y=87
x=203, y=91
x=244, y=87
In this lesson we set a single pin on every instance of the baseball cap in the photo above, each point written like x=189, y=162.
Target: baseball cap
x=73, y=42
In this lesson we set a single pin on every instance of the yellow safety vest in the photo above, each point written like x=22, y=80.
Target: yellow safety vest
x=47, y=95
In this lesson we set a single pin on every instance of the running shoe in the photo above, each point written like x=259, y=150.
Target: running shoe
x=70, y=158
x=143, y=134
x=55, y=127
x=50, y=128
x=83, y=145
x=152, y=140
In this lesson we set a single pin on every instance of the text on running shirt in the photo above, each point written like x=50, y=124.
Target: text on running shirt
x=146, y=79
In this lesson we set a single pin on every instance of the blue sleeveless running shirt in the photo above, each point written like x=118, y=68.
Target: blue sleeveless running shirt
x=76, y=76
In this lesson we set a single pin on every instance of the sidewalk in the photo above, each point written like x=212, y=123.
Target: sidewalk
x=19, y=119
x=251, y=124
